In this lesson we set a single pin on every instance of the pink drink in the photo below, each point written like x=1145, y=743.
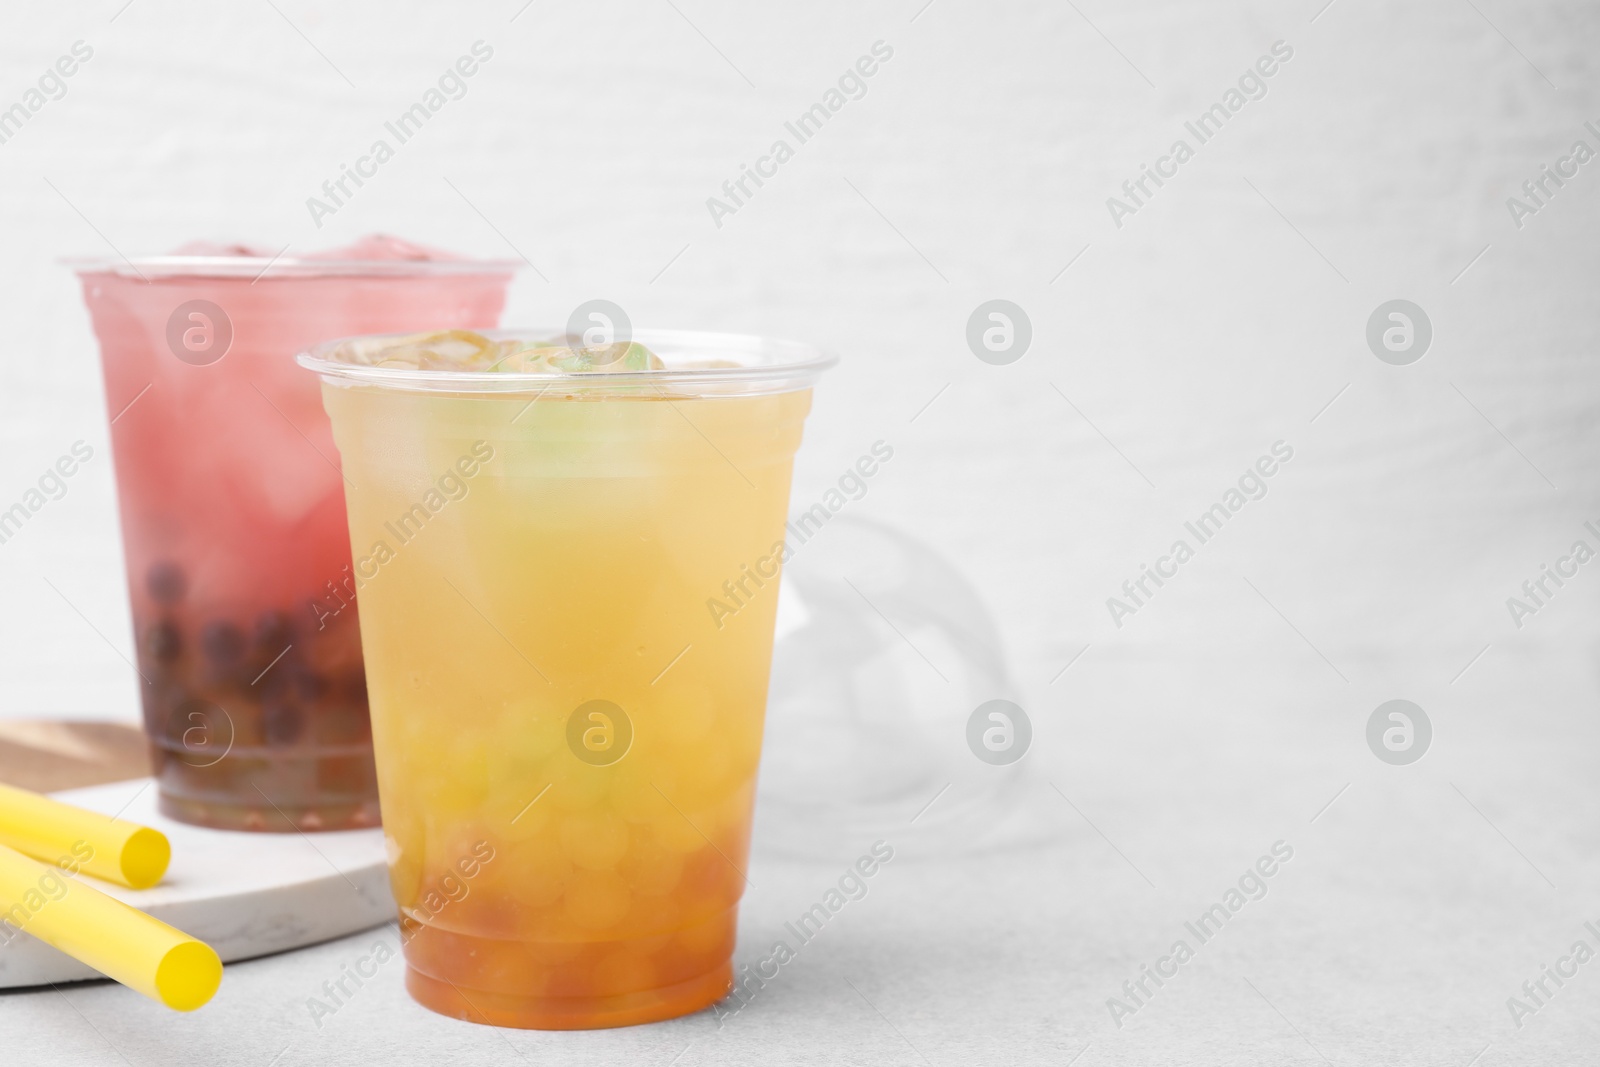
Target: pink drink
x=233, y=514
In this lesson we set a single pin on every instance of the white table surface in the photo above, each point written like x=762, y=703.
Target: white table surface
x=1395, y=934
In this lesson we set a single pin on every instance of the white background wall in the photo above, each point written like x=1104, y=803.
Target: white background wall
x=1221, y=318
x=1202, y=331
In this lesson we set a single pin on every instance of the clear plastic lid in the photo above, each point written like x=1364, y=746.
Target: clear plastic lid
x=377, y=255
x=151, y=267
x=696, y=364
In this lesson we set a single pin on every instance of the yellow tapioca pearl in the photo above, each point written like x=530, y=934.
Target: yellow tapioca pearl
x=536, y=875
x=650, y=868
x=519, y=794
x=624, y=972
x=452, y=773
x=594, y=842
x=659, y=918
x=701, y=937
x=596, y=900
x=676, y=832
x=718, y=819
x=637, y=789
x=533, y=726
x=528, y=818
x=575, y=786
x=555, y=953
x=712, y=758
x=525, y=740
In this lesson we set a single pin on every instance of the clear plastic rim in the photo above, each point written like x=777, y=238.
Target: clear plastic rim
x=765, y=365
x=149, y=267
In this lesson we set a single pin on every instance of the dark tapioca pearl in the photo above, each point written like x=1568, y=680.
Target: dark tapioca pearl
x=166, y=582
x=343, y=725
x=160, y=697
x=222, y=642
x=177, y=717
x=309, y=686
x=353, y=687
x=202, y=729
x=277, y=680
x=281, y=723
x=163, y=643
x=348, y=776
x=274, y=631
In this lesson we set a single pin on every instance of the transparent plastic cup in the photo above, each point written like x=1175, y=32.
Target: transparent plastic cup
x=569, y=589
x=233, y=524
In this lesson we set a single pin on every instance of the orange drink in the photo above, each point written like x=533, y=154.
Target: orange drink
x=564, y=698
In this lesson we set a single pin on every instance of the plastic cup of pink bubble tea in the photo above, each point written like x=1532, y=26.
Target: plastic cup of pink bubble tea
x=232, y=506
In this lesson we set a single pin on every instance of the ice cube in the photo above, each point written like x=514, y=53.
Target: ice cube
x=382, y=246
x=624, y=355
x=536, y=359
x=464, y=350
x=454, y=347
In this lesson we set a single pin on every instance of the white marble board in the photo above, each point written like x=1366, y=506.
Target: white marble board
x=244, y=894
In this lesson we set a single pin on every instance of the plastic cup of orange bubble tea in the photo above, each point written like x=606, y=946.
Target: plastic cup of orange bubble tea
x=568, y=552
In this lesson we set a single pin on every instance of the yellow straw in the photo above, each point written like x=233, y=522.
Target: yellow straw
x=118, y=941
x=72, y=838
